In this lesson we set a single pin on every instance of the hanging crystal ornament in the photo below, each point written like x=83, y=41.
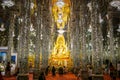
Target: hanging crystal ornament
x=100, y=19
x=18, y=37
x=31, y=28
x=89, y=6
x=90, y=28
x=13, y=34
x=32, y=5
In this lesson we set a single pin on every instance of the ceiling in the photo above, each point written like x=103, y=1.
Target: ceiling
x=104, y=9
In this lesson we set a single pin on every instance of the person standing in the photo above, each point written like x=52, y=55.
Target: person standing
x=90, y=73
x=79, y=75
x=42, y=76
x=112, y=70
x=8, y=69
x=53, y=71
x=1, y=78
x=118, y=69
x=47, y=70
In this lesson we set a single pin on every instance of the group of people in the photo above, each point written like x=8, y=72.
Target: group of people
x=61, y=71
x=89, y=72
x=8, y=70
x=42, y=75
x=109, y=69
x=112, y=71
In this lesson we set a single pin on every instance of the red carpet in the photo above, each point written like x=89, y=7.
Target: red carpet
x=67, y=76
x=107, y=77
x=14, y=78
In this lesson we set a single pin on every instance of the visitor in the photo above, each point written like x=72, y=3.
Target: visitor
x=90, y=73
x=42, y=76
x=53, y=71
x=13, y=66
x=60, y=70
x=64, y=69
x=79, y=75
x=47, y=70
x=16, y=71
x=118, y=69
x=112, y=72
x=8, y=69
x=1, y=77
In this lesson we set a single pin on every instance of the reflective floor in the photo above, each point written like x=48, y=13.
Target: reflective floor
x=68, y=76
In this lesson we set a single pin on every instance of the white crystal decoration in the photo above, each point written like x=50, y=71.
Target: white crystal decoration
x=8, y=3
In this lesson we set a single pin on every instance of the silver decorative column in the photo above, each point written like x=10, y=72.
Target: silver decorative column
x=95, y=36
x=11, y=33
x=111, y=38
x=38, y=44
x=45, y=35
x=23, y=75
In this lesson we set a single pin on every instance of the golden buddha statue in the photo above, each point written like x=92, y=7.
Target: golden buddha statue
x=60, y=55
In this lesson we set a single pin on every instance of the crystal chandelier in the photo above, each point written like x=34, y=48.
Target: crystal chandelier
x=2, y=27
x=118, y=28
x=60, y=3
x=115, y=4
x=8, y=3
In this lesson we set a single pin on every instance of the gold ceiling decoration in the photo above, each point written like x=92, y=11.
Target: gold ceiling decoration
x=61, y=12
